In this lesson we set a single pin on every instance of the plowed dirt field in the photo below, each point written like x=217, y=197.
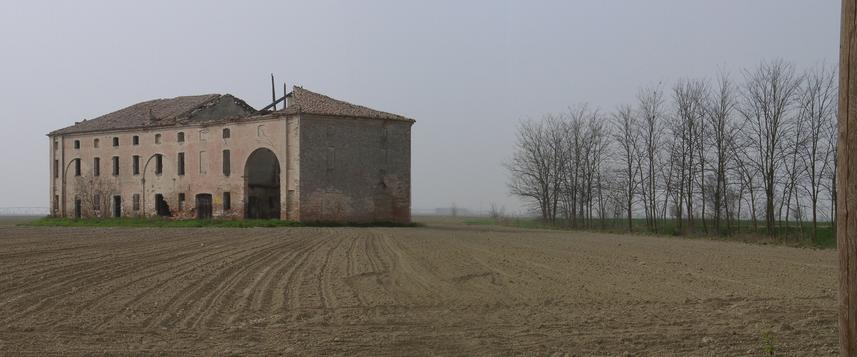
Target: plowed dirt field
x=444, y=289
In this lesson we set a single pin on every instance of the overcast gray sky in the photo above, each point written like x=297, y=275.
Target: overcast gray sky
x=467, y=71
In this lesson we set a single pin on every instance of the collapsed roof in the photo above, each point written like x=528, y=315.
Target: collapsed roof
x=210, y=108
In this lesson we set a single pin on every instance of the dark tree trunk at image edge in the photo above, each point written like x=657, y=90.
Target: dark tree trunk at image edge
x=846, y=204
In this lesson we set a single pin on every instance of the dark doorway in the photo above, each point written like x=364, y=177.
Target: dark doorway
x=117, y=206
x=161, y=206
x=203, y=206
x=77, y=205
x=262, y=180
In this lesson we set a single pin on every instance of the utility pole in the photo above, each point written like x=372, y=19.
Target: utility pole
x=846, y=181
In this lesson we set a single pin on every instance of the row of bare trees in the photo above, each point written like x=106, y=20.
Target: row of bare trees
x=705, y=154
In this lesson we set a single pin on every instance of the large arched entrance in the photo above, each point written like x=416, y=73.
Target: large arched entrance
x=262, y=185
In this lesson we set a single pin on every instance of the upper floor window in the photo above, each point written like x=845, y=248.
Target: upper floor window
x=77, y=144
x=180, y=163
x=116, y=166
x=159, y=164
x=115, y=141
x=180, y=137
x=227, y=133
x=135, y=140
x=77, y=167
x=203, y=135
x=56, y=145
x=95, y=143
x=227, y=167
x=96, y=167
x=135, y=165
x=157, y=138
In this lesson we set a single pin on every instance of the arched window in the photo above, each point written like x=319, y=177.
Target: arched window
x=226, y=133
x=180, y=137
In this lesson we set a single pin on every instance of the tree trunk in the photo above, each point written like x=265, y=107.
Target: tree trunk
x=846, y=222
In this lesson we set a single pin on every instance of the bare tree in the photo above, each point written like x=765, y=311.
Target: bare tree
x=768, y=96
x=650, y=103
x=94, y=194
x=689, y=97
x=628, y=139
x=817, y=107
x=536, y=164
x=720, y=109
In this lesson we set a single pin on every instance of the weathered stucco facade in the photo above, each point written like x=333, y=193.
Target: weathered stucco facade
x=318, y=159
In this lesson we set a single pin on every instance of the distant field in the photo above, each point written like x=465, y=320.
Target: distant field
x=14, y=220
x=444, y=289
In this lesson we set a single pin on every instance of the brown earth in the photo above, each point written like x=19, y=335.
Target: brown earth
x=446, y=289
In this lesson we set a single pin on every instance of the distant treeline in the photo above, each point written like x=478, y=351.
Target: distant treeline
x=704, y=154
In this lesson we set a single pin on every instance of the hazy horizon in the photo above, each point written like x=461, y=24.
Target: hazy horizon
x=466, y=72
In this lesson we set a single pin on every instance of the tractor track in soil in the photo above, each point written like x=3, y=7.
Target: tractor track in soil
x=447, y=288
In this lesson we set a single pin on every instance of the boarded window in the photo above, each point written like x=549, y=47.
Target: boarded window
x=203, y=135
x=180, y=137
x=56, y=145
x=136, y=201
x=95, y=143
x=77, y=144
x=157, y=138
x=180, y=167
x=135, y=166
x=96, y=167
x=116, y=166
x=226, y=133
x=56, y=203
x=159, y=164
x=227, y=201
x=115, y=141
x=56, y=168
x=135, y=140
x=203, y=163
x=227, y=165
x=77, y=167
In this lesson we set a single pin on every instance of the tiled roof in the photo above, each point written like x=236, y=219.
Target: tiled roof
x=304, y=101
x=217, y=107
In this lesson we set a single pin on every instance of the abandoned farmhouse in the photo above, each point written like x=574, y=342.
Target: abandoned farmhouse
x=214, y=156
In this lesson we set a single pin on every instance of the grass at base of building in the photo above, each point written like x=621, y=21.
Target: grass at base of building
x=189, y=223
x=791, y=235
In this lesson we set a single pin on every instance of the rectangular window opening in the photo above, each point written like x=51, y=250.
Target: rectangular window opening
x=159, y=164
x=96, y=166
x=203, y=163
x=227, y=165
x=135, y=165
x=181, y=201
x=227, y=201
x=180, y=168
x=136, y=201
x=115, y=166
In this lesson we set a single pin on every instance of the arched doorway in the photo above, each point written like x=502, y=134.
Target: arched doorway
x=262, y=185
